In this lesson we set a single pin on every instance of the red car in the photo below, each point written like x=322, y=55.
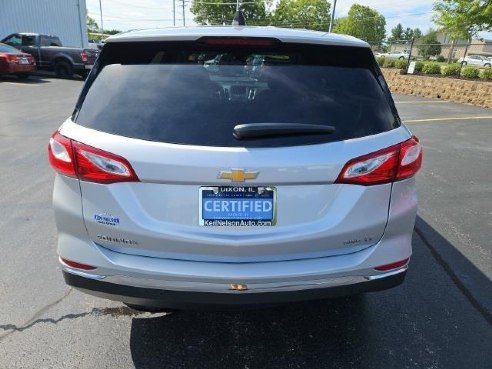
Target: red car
x=13, y=61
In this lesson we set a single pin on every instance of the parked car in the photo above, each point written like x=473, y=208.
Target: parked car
x=13, y=61
x=221, y=59
x=176, y=187
x=397, y=55
x=478, y=60
x=51, y=56
x=96, y=44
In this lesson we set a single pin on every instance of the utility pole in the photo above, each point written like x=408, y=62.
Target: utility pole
x=332, y=16
x=101, y=12
x=174, y=13
x=184, y=19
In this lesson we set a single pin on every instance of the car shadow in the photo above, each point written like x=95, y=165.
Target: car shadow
x=31, y=80
x=430, y=321
x=329, y=330
x=475, y=285
x=52, y=75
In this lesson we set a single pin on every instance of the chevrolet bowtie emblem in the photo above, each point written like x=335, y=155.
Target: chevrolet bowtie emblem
x=237, y=175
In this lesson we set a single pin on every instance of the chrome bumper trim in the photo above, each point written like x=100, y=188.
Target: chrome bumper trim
x=225, y=287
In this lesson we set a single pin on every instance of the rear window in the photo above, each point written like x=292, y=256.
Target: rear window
x=194, y=94
x=50, y=41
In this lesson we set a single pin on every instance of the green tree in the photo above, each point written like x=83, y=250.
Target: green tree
x=92, y=25
x=221, y=12
x=396, y=33
x=112, y=31
x=400, y=34
x=310, y=14
x=463, y=19
x=429, y=45
x=364, y=23
x=417, y=33
x=409, y=34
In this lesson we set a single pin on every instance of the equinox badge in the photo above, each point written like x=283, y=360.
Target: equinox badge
x=237, y=175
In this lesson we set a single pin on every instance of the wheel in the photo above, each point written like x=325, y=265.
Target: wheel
x=23, y=76
x=149, y=309
x=401, y=58
x=85, y=74
x=487, y=65
x=464, y=63
x=63, y=69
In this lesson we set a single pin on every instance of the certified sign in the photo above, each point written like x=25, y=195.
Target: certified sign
x=411, y=68
x=237, y=206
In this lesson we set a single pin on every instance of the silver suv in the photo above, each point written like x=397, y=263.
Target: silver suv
x=177, y=187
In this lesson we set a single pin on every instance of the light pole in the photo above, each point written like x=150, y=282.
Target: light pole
x=332, y=15
x=101, y=12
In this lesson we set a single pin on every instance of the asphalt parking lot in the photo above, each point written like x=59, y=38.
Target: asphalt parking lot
x=441, y=317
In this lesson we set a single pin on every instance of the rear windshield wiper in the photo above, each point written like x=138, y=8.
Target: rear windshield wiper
x=252, y=130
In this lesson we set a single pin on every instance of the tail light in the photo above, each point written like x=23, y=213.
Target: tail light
x=238, y=41
x=394, y=163
x=83, y=55
x=12, y=58
x=74, y=264
x=74, y=159
x=395, y=265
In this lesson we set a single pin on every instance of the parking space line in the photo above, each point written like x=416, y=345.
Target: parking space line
x=20, y=84
x=421, y=102
x=445, y=119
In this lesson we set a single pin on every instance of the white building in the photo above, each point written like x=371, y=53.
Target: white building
x=63, y=18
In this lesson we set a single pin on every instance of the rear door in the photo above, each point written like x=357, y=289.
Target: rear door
x=204, y=194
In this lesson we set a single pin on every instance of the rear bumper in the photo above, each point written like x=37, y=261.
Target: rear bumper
x=259, y=296
x=81, y=67
x=19, y=69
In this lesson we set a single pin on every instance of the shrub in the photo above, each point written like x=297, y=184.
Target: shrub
x=470, y=72
x=431, y=68
x=380, y=60
x=389, y=63
x=451, y=70
x=486, y=74
x=418, y=66
x=401, y=64
x=441, y=59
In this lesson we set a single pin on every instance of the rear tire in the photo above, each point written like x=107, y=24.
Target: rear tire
x=464, y=63
x=85, y=74
x=63, y=69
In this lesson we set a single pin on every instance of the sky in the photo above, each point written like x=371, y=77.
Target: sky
x=132, y=14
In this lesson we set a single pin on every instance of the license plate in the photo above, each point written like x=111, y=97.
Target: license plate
x=23, y=61
x=237, y=206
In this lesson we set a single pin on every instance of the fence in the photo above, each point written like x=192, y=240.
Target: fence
x=449, y=52
x=447, y=58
